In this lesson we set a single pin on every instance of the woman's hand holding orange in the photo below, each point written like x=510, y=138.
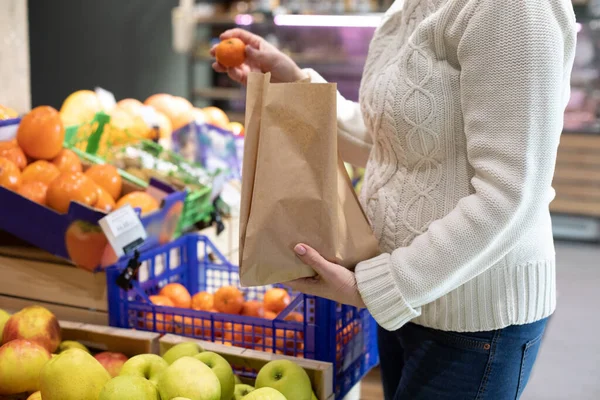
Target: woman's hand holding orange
x=261, y=56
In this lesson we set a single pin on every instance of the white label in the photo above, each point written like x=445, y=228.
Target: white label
x=123, y=229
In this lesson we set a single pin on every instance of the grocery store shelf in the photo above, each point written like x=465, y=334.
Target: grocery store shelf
x=220, y=93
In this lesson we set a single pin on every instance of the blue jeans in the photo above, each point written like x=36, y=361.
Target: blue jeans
x=421, y=363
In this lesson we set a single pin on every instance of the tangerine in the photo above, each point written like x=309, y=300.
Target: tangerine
x=16, y=155
x=105, y=201
x=203, y=301
x=276, y=300
x=231, y=53
x=160, y=318
x=68, y=187
x=140, y=200
x=229, y=300
x=270, y=314
x=34, y=191
x=40, y=171
x=67, y=161
x=10, y=175
x=253, y=308
x=108, y=177
x=85, y=244
x=41, y=133
x=8, y=144
x=178, y=294
x=294, y=316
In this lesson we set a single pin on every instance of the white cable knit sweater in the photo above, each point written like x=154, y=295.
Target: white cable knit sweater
x=461, y=110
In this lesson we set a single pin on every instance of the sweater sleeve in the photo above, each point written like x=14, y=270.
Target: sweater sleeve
x=515, y=59
x=354, y=142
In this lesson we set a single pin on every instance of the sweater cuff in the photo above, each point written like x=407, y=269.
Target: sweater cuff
x=381, y=295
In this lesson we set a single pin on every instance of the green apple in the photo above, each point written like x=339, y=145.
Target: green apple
x=4, y=316
x=147, y=366
x=222, y=370
x=287, y=377
x=72, y=375
x=129, y=388
x=238, y=381
x=314, y=396
x=35, y=396
x=71, y=344
x=241, y=390
x=191, y=378
x=20, y=364
x=265, y=393
x=180, y=398
x=188, y=349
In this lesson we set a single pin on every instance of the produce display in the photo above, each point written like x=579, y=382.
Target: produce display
x=41, y=179
x=229, y=300
x=35, y=363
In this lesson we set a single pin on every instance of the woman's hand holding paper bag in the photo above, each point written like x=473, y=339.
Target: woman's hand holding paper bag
x=332, y=282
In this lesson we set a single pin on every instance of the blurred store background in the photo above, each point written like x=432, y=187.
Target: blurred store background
x=137, y=48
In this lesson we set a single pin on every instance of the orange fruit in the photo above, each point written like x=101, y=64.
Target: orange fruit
x=241, y=334
x=105, y=201
x=132, y=106
x=203, y=301
x=80, y=107
x=236, y=128
x=41, y=133
x=253, y=308
x=85, y=244
x=294, y=316
x=160, y=318
x=68, y=187
x=34, y=191
x=229, y=300
x=178, y=294
x=40, y=171
x=108, y=177
x=270, y=314
x=67, y=161
x=165, y=127
x=140, y=200
x=16, y=155
x=177, y=109
x=276, y=300
x=231, y=53
x=215, y=116
x=10, y=175
x=8, y=144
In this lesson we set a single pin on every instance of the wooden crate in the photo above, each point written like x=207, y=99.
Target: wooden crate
x=577, y=176
x=104, y=338
x=320, y=373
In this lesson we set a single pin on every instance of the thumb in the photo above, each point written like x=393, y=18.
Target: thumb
x=311, y=257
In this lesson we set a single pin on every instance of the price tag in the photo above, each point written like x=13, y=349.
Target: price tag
x=124, y=230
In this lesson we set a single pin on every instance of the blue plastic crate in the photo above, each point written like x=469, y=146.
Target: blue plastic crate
x=340, y=334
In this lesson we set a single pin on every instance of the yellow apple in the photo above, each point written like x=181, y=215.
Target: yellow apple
x=71, y=344
x=35, y=324
x=4, y=316
x=191, y=378
x=129, y=388
x=222, y=370
x=35, y=396
x=188, y=349
x=147, y=366
x=287, y=377
x=72, y=375
x=265, y=393
x=20, y=365
x=242, y=391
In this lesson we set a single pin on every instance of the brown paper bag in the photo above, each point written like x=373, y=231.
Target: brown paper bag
x=295, y=188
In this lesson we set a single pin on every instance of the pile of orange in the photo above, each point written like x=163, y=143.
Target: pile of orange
x=228, y=300
x=36, y=165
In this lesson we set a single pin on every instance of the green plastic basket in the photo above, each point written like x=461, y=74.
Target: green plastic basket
x=198, y=207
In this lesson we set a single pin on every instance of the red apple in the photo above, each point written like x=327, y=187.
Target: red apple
x=113, y=362
x=35, y=324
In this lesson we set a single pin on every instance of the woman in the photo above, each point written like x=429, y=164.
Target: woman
x=461, y=110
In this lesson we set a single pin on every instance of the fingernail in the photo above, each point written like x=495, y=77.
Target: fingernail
x=300, y=250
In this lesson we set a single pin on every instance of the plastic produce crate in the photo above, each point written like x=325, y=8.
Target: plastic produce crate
x=340, y=334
